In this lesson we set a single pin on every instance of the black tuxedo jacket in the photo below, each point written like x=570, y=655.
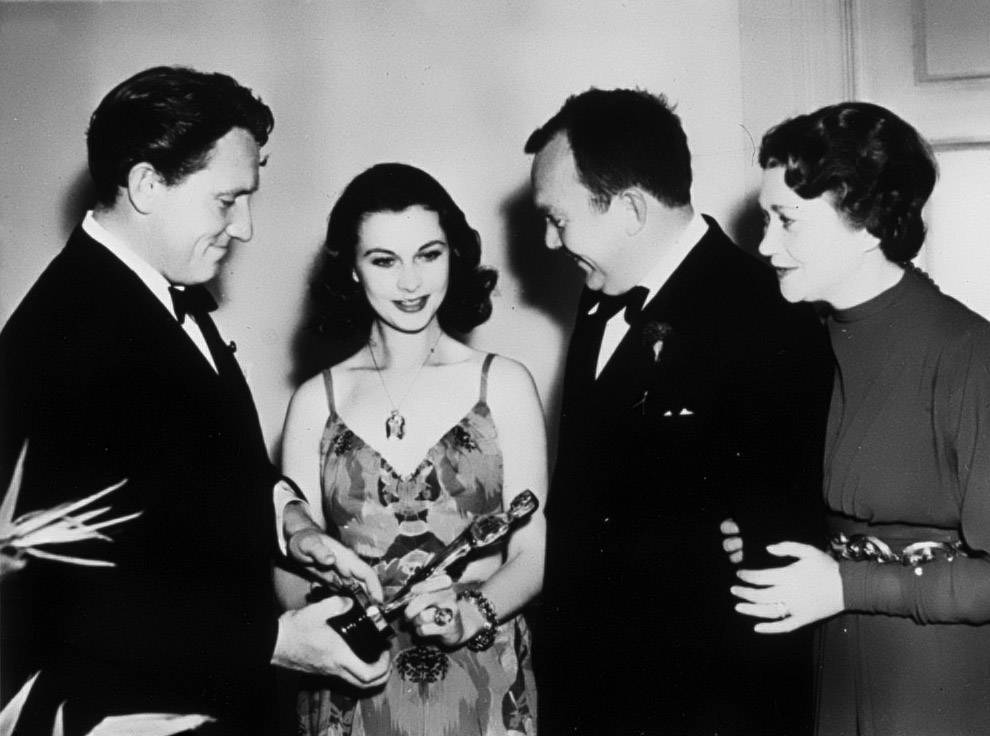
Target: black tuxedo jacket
x=724, y=417
x=104, y=384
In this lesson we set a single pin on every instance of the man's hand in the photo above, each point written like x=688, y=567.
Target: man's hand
x=325, y=555
x=307, y=643
x=733, y=543
x=310, y=546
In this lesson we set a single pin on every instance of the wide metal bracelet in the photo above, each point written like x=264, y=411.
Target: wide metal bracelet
x=864, y=547
x=486, y=637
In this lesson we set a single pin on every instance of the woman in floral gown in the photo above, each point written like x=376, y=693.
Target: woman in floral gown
x=399, y=446
x=905, y=593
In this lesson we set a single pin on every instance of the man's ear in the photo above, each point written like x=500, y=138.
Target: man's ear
x=633, y=209
x=144, y=183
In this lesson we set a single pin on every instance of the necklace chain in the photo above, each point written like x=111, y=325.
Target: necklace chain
x=395, y=423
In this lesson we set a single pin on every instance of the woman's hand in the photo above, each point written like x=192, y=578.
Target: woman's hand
x=807, y=590
x=436, y=613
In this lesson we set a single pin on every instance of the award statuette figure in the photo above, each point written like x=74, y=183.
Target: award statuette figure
x=364, y=626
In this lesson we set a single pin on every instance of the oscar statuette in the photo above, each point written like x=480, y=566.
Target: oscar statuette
x=365, y=625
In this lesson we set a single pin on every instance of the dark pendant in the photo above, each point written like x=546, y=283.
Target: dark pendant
x=395, y=425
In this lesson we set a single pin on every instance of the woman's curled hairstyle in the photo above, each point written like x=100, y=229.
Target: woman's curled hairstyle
x=878, y=169
x=394, y=187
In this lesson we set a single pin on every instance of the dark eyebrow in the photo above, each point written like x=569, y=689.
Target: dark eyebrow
x=237, y=192
x=379, y=250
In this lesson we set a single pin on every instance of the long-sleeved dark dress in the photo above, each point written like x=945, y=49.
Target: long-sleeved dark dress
x=908, y=459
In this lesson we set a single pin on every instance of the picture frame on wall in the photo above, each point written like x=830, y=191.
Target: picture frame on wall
x=951, y=40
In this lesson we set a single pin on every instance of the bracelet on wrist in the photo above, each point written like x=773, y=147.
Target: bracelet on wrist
x=486, y=637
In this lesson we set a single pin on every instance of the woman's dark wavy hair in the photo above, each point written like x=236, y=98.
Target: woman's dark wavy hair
x=393, y=187
x=878, y=169
x=170, y=117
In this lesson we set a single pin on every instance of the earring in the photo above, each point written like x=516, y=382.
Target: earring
x=354, y=276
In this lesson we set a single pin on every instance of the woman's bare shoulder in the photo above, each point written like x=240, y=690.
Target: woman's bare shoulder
x=509, y=378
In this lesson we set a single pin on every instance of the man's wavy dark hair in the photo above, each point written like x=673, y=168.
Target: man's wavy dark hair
x=877, y=168
x=341, y=306
x=170, y=117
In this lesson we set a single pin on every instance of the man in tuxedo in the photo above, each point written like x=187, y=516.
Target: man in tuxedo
x=692, y=391
x=112, y=369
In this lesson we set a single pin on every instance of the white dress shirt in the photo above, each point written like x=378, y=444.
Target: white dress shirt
x=670, y=258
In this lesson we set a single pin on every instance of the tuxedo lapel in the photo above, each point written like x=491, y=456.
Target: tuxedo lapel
x=642, y=362
x=101, y=271
x=583, y=350
x=628, y=372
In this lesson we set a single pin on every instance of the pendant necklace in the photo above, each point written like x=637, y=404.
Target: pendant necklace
x=395, y=423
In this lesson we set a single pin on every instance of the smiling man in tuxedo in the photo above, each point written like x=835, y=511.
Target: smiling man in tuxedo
x=691, y=391
x=112, y=368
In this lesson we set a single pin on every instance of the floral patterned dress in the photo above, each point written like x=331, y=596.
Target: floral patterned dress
x=395, y=523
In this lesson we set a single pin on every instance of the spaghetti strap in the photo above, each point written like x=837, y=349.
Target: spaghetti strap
x=328, y=385
x=484, y=377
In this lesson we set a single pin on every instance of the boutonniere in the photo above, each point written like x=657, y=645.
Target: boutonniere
x=654, y=334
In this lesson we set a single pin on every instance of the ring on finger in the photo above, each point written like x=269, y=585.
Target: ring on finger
x=780, y=608
x=442, y=616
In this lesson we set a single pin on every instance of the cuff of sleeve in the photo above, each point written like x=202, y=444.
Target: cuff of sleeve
x=870, y=587
x=284, y=493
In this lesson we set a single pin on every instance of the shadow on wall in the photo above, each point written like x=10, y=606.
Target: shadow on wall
x=746, y=223
x=78, y=197
x=549, y=283
x=312, y=350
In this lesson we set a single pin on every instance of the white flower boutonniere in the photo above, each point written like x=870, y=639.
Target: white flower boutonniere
x=654, y=334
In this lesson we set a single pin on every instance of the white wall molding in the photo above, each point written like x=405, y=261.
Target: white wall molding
x=848, y=20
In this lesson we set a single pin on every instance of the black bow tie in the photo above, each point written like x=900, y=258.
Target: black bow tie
x=194, y=300
x=632, y=302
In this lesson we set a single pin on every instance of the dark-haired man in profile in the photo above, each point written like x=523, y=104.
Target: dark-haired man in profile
x=112, y=368
x=691, y=390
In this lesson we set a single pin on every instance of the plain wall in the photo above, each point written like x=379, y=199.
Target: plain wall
x=454, y=87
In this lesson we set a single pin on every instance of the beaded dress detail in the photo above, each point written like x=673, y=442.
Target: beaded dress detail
x=395, y=523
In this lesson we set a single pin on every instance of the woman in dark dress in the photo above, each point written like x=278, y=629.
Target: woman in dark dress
x=905, y=593
x=400, y=445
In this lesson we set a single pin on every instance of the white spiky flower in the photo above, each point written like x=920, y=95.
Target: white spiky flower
x=68, y=522
x=138, y=724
